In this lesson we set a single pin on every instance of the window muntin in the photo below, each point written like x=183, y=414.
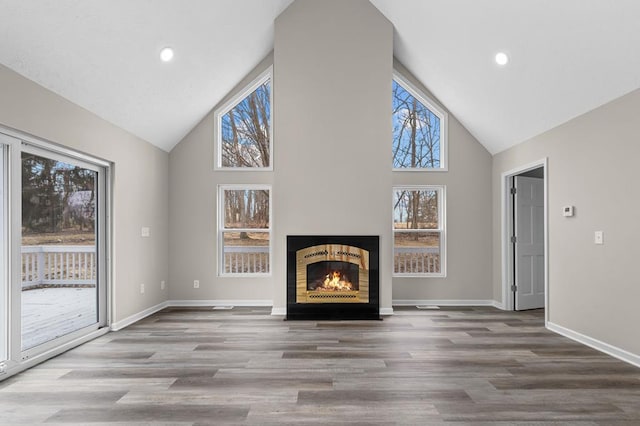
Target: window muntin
x=419, y=129
x=244, y=230
x=243, y=128
x=418, y=231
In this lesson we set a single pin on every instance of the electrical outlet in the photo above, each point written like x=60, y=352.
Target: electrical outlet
x=141, y=288
x=3, y=368
x=196, y=283
x=598, y=237
x=145, y=231
x=162, y=285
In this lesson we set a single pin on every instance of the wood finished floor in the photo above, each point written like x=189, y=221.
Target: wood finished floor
x=468, y=366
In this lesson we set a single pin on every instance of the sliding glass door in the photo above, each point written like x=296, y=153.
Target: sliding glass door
x=53, y=245
x=61, y=246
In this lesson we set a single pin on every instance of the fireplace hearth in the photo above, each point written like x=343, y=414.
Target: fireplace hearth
x=332, y=277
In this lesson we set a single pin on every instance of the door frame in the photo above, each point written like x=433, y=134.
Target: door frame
x=507, y=224
x=19, y=360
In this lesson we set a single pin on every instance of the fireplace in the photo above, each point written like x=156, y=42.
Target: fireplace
x=332, y=277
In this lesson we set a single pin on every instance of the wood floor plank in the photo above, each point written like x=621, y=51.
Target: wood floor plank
x=199, y=366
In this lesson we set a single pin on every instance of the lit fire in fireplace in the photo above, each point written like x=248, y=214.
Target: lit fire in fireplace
x=335, y=281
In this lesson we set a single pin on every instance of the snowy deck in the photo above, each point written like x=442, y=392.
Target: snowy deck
x=53, y=312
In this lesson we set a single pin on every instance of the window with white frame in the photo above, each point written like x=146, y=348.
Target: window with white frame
x=419, y=129
x=243, y=128
x=419, y=231
x=244, y=229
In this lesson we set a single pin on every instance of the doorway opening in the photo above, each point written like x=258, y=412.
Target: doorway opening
x=525, y=238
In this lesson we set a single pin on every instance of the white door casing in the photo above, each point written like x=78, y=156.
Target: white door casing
x=529, y=245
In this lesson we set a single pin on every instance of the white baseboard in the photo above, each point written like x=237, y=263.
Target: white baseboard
x=431, y=302
x=498, y=305
x=279, y=311
x=119, y=325
x=608, y=349
x=199, y=303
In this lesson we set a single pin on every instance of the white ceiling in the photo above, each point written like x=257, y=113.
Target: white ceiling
x=567, y=57
x=104, y=55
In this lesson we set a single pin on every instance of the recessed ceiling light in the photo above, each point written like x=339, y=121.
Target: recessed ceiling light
x=502, y=58
x=166, y=54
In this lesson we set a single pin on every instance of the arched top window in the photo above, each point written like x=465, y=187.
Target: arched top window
x=419, y=129
x=243, y=128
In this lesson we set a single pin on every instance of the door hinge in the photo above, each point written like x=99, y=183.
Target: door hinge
x=514, y=288
x=513, y=239
x=512, y=191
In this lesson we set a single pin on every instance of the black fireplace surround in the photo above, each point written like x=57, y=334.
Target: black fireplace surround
x=333, y=277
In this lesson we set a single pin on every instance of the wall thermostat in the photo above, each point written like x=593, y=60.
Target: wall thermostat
x=567, y=211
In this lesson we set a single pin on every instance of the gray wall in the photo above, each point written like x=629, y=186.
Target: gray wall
x=469, y=227
x=593, y=289
x=140, y=183
x=333, y=63
x=192, y=214
x=333, y=67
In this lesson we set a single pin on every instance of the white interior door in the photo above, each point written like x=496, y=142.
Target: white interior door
x=529, y=243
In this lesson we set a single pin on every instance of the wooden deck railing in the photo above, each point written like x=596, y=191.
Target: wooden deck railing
x=406, y=260
x=416, y=260
x=246, y=259
x=58, y=266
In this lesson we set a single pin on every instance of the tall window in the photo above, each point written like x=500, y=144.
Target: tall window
x=419, y=129
x=243, y=128
x=244, y=229
x=419, y=231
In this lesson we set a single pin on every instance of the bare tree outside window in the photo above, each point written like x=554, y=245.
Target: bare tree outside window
x=245, y=231
x=416, y=132
x=245, y=131
x=417, y=230
x=58, y=202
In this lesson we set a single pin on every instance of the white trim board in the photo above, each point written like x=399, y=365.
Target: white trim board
x=608, y=349
x=505, y=221
x=279, y=311
x=212, y=303
x=407, y=302
x=119, y=325
x=498, y=305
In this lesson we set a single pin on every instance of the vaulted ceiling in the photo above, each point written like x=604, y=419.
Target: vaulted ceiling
x=566, y=57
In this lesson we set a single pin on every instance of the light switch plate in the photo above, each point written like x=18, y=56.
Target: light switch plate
x=145, y=231
x=567, y=211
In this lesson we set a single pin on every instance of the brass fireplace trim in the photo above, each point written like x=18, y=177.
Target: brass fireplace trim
x=332, y=252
